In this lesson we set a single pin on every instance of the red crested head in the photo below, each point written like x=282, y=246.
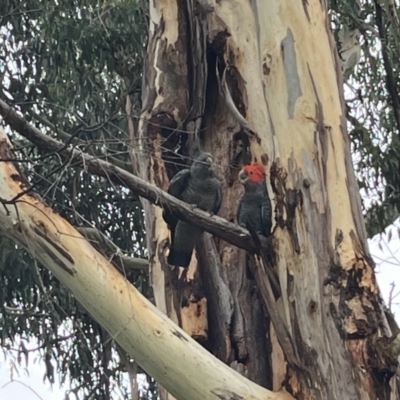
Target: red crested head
x=255, y=173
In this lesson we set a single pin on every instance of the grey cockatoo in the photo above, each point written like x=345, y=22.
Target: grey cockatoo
x=196, y=186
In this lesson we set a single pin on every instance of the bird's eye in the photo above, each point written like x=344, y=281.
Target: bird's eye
x=251, y=172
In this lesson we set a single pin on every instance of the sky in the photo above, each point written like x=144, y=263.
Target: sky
x=385, y=251
x=27, y=385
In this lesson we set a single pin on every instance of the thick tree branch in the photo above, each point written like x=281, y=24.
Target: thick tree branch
x=215, y=225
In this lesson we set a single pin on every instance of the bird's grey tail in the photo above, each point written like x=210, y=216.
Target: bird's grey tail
x=179, y=258
x=182, y=244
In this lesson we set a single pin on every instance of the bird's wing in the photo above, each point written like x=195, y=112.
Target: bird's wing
x=218, y=198
x=266, y=214
x=176, y=186
x=178, y=183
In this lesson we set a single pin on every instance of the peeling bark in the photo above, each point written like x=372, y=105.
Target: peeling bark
x=272, y=66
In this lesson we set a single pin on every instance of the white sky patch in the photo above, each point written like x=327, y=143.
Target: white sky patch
x=27, y=383
x=385, y=250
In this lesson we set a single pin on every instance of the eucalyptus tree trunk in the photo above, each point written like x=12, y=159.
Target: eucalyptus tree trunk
x=260, y=80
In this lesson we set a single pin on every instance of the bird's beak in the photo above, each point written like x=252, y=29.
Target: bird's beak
x=209, y=161
x=242, y=176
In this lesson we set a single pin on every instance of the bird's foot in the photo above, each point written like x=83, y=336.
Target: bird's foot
x=193, y=206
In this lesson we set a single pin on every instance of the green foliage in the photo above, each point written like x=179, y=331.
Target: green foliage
x=373, y=106
x=68, y=66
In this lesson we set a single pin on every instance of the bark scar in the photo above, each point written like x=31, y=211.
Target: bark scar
x=56, y=259
x=290, y=67
x=226, y=394
x=51, y=253
x=179, y=335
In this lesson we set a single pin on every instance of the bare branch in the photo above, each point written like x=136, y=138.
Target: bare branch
x=20, y=312
x=66, y=136
x=105, y=246
x=23, y=384
x=215, y=225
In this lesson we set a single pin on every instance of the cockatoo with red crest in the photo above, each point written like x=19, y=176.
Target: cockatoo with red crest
x=254, y=207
